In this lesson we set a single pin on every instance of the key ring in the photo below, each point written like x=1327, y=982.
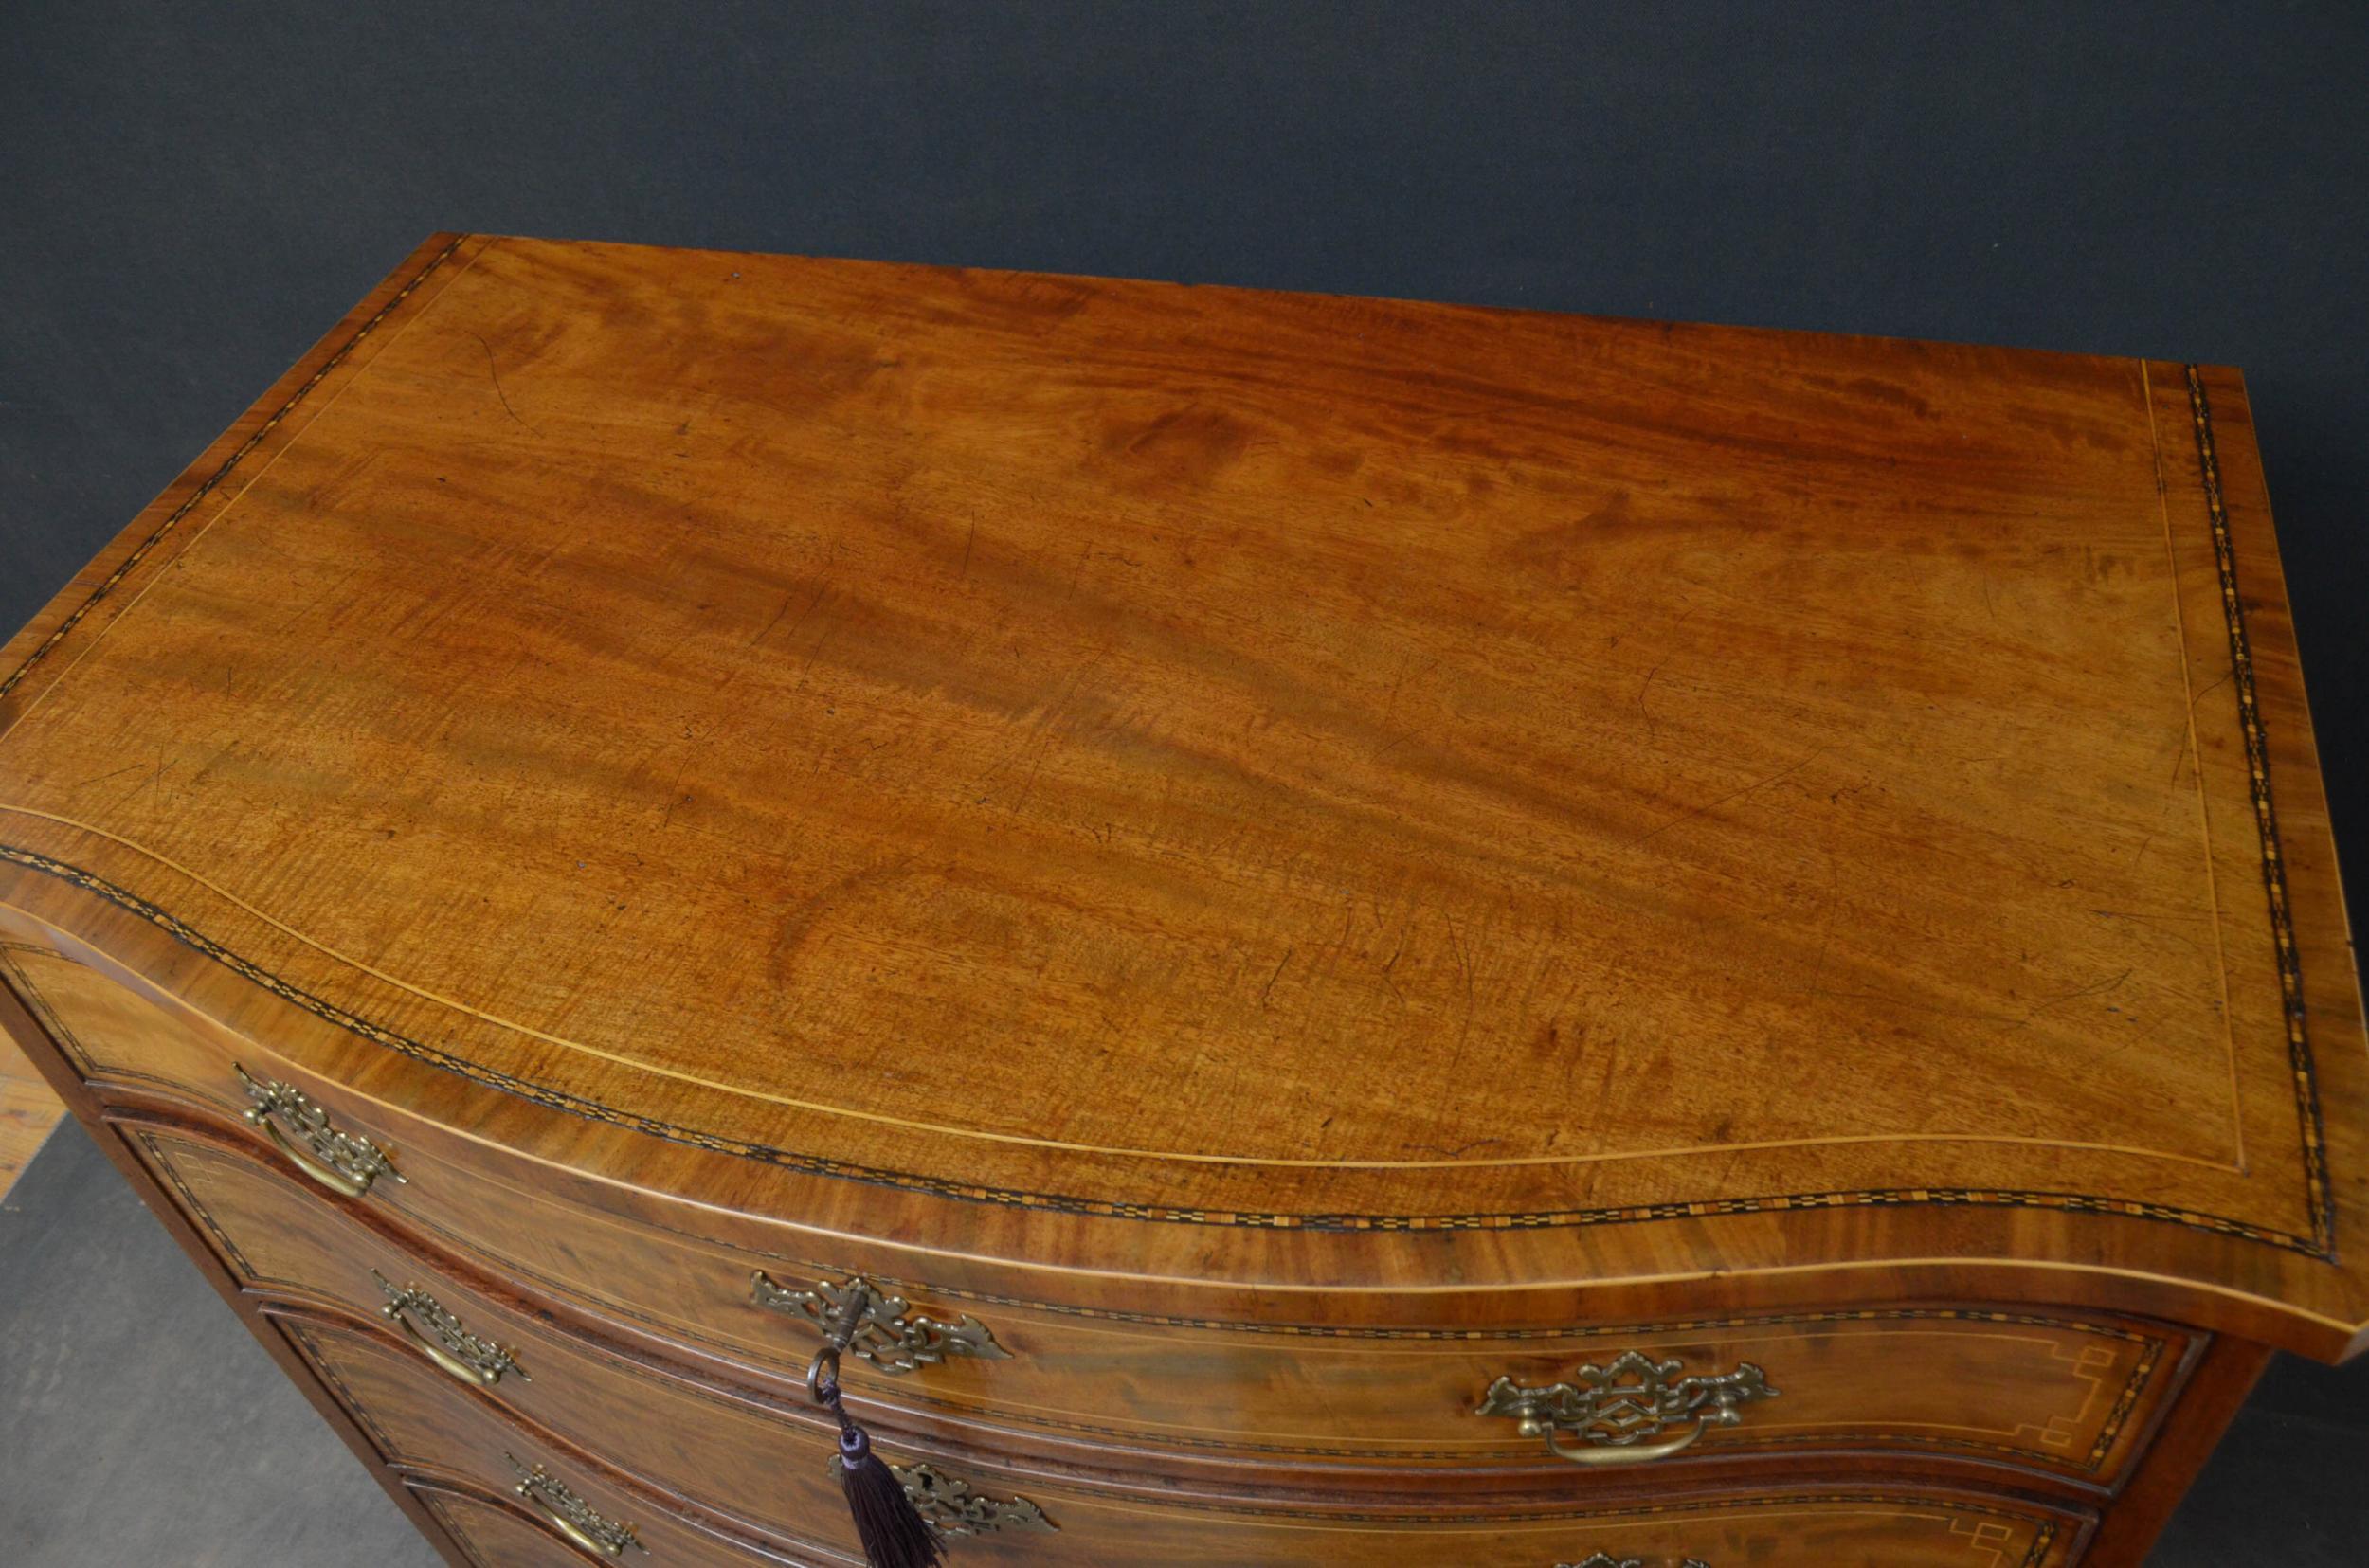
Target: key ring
x=822, y=1372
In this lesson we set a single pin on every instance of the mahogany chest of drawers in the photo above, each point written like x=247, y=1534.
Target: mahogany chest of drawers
x=1320, y=932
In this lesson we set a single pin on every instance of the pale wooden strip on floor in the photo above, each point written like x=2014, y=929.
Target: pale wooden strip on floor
x=27, y=1113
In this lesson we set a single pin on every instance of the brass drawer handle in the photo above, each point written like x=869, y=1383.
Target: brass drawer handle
x=1603, y=1559
x=1620, y=1413
x=342, y=1162
x=875, y=1324
x=478, y=1363
x=571, y=1516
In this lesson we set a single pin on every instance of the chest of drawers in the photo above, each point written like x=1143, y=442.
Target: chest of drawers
x=1324, y=931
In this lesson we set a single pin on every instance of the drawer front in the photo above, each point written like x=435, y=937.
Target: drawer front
x=2069, y=1397
x=1831, y=1530
x=421, y=1422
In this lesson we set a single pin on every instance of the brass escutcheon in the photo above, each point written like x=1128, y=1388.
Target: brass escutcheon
x=875, y=1324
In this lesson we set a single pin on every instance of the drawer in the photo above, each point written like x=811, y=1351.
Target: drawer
x=1840, y=1529
x=422, y=1422
x=2071, y=1397
x=2067, y=1397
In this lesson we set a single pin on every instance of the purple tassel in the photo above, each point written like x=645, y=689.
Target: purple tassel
x=892, y=1529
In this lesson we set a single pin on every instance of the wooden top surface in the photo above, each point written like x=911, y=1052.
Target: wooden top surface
x=1255, y=760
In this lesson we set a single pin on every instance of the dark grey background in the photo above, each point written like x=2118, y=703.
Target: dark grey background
x=190, y=193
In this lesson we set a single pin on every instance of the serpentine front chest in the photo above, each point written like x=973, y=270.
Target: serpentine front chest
x=1317, y=932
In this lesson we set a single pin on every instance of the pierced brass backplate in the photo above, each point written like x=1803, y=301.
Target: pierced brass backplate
x=954, y=1508
x=339, y=1160
x=443, y=1340
x=571, y=1516
x=1620, y=1413
x=879, y=1326
x=1601, y=1560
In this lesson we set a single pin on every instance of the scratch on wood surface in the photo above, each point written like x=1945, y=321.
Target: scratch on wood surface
x=102, y=778
x=1688, y=816
x=782, y=610
x=495, y=371
x=1653, y=731
x=1269, y=988
x=1387, y=978
x=2093, y=988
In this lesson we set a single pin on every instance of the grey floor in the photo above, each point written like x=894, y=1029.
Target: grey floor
x=139, y=1423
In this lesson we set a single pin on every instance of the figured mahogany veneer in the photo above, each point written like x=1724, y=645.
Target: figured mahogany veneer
x=1287, y=857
